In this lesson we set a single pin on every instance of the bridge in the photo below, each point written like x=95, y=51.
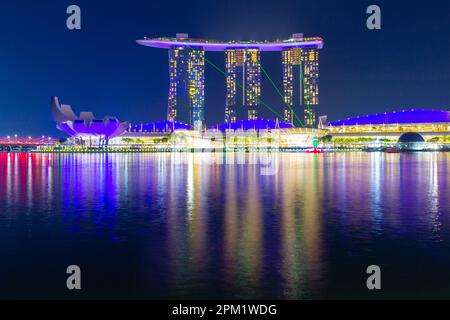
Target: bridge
x=9, y=144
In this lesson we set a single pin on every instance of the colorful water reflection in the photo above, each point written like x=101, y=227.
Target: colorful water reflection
x=224, y=225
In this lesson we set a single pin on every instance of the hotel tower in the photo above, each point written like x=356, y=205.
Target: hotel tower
x=300, y=68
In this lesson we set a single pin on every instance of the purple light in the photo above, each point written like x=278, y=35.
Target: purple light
x=85, y=124
x=400, y=117
x=159, y=126
x=167, y=43
x=258, y=124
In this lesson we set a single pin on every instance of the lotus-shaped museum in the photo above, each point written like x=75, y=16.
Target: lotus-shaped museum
x=85, y=125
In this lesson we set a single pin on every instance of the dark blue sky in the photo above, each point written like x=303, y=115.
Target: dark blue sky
x=100, y=68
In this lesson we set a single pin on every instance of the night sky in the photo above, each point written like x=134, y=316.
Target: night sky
x=100, y=68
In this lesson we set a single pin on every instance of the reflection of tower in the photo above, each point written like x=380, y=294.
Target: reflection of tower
x=187, y=85
x=243, y=84
x=301, y=82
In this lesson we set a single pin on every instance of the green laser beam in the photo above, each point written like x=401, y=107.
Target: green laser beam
x=240, y=86
x=273, y=84
x=282, y=96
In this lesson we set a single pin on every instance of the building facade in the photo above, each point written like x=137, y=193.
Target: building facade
x=243, y=81
x=186, y=86
x=301, y=84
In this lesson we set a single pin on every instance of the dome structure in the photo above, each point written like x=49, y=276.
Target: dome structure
x=85, y=125
x=411, y=137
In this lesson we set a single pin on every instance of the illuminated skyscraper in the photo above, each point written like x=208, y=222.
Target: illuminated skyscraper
x=301, y=83
x=310, y=85
x=243, y=76
x=187, y=85
x=243, y=84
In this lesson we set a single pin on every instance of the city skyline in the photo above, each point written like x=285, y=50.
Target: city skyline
x=100, y=68
x=224, y=158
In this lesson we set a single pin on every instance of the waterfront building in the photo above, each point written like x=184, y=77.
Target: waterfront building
x=253, y=124
x=432, y=125
x=186, y=85
x=243, y=76
x=301, y=82
x=85, y=127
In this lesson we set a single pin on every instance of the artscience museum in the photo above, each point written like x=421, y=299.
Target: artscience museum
x=85, y=128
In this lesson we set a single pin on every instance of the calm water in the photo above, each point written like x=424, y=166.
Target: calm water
x=225, y=226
